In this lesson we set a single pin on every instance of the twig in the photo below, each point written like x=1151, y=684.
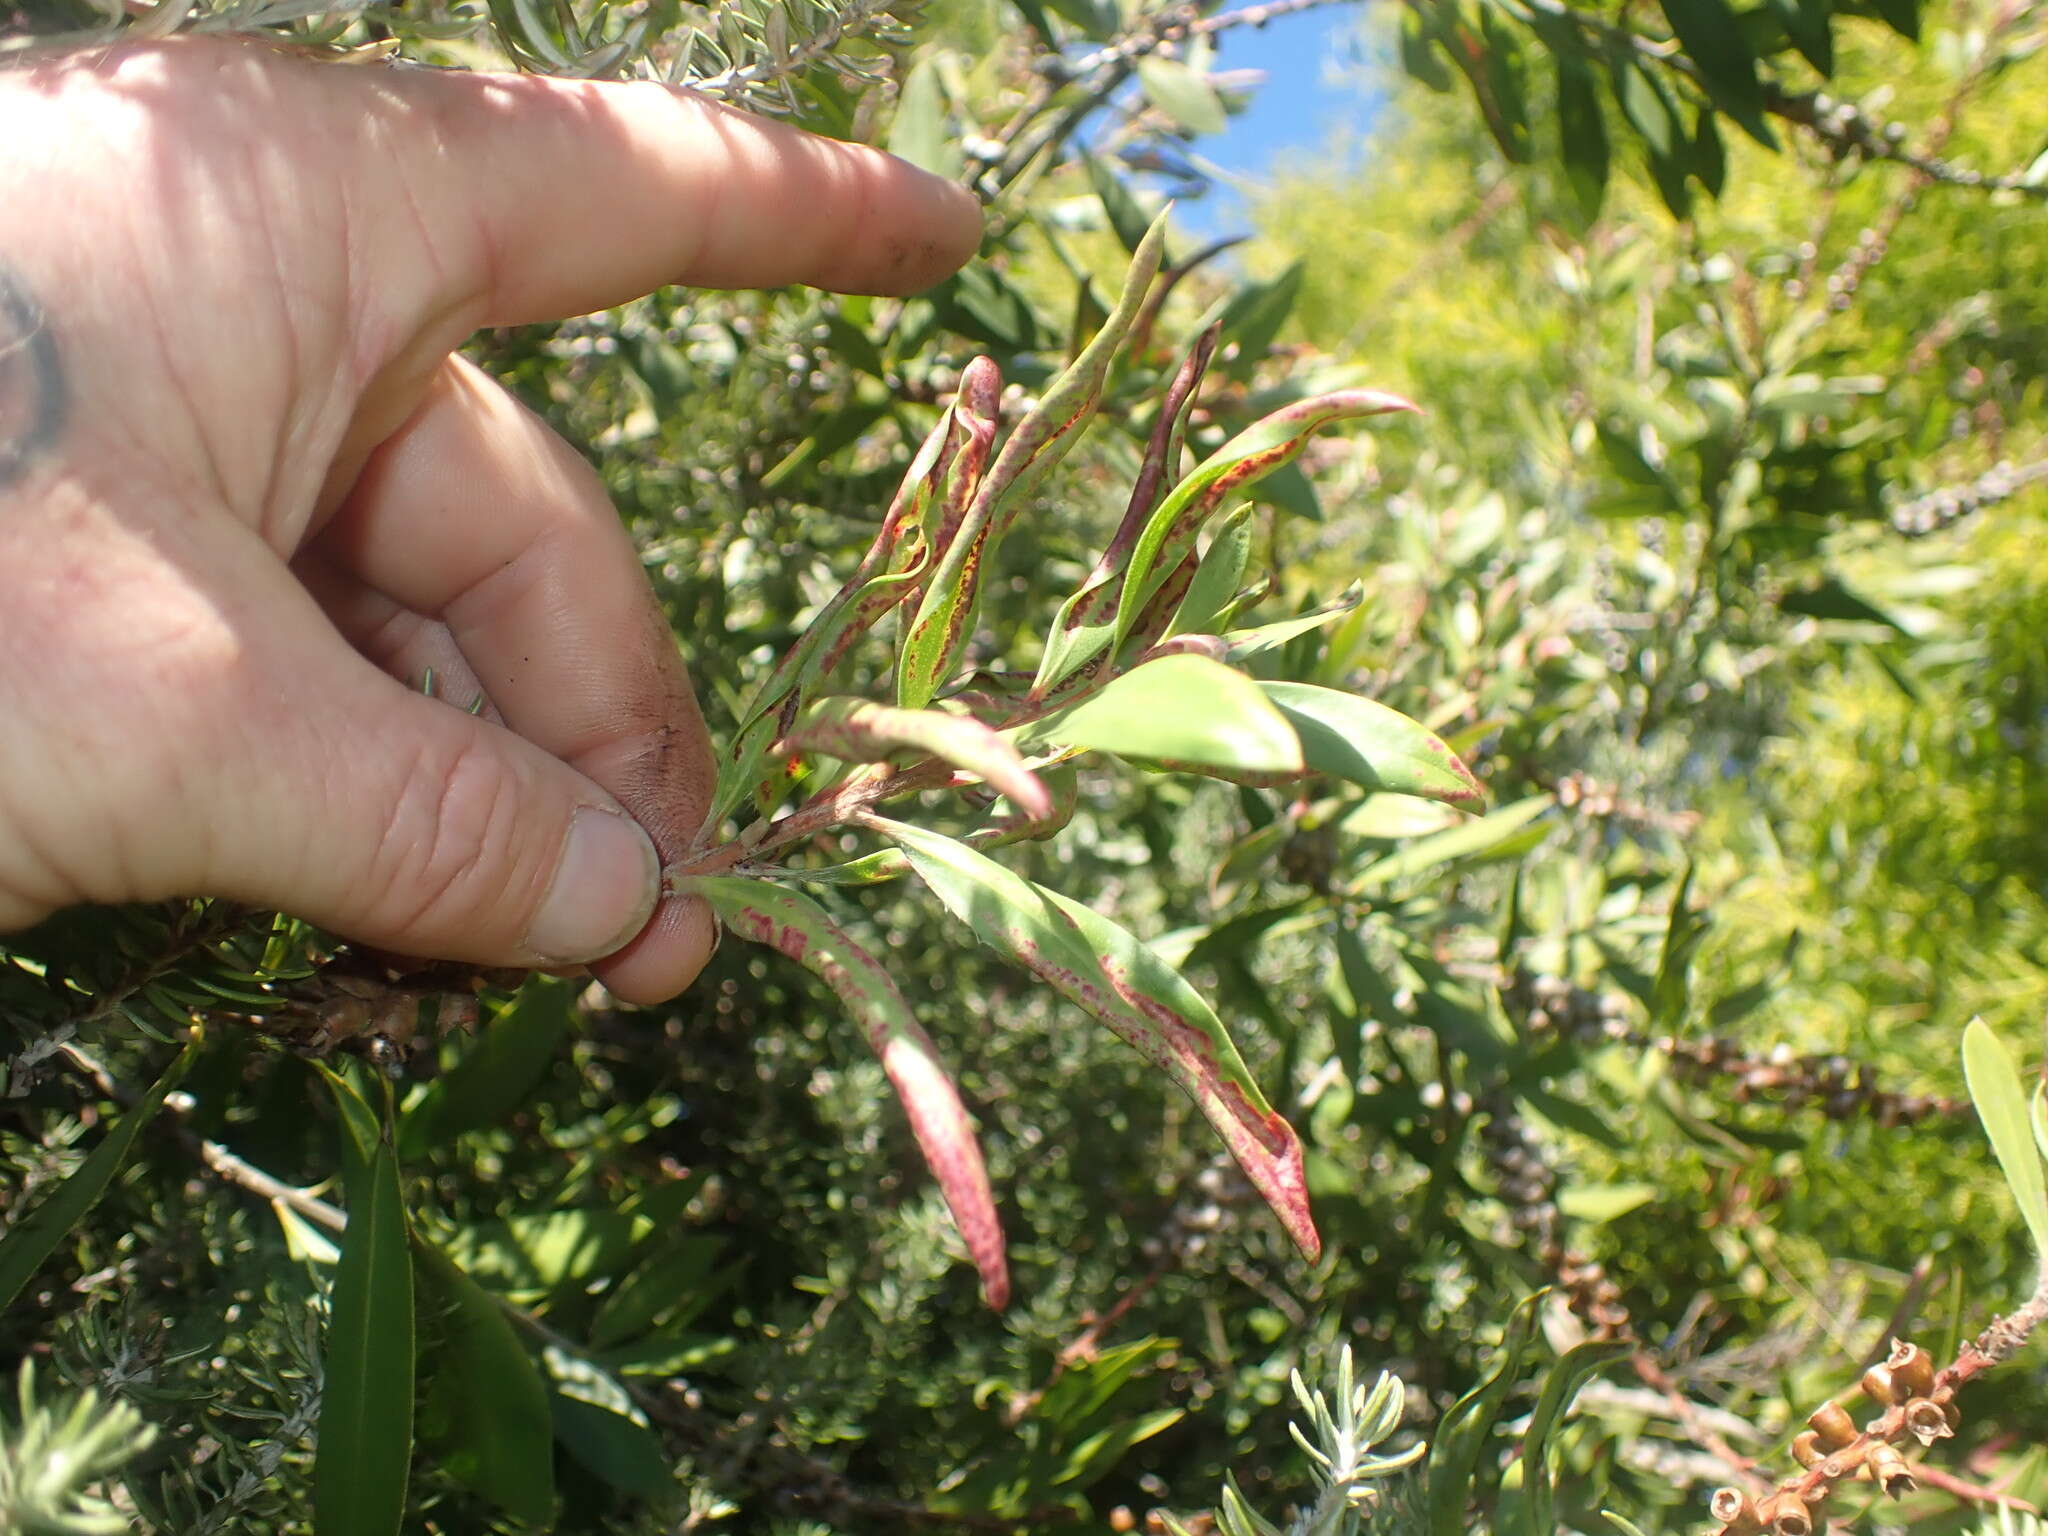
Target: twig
x=215, y=1156
x=1099, y=75
x=1081, y=1347
x=1919, y=1404
x=1936, y=510
x=238, y=1171
x=1844, y=128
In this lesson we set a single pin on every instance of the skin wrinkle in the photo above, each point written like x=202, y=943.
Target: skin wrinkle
x=251, y=328
x=306, y=428
x=31, y=364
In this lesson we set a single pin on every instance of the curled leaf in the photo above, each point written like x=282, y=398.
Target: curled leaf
x=861, y=731
x=1115, y=977
x=794, y=924
x=1366, y=743
x=937, y=637
x=1094, y=606
x=1257, y=451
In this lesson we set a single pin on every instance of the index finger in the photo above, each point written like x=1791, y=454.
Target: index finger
x=575, y=195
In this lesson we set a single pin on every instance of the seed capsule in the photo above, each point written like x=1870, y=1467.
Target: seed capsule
x=1832, y=1424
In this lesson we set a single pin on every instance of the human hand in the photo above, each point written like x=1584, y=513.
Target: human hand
x=246, y=490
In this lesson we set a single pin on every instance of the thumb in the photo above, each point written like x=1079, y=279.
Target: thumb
x=400, y=821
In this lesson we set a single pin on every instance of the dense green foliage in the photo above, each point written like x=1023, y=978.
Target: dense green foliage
x=1714, y=556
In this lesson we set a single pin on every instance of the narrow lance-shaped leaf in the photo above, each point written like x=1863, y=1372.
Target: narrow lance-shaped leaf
x=837, y=625
x=1582, y=133
x=1094, y=605
x=1572, y=1371
x=1157, y=618
x=1994, y=1085
x=485, y=1415
x=1255, y=452
x=1714, y=41
x=1368, y=744
x=936, y=638
x=496, y=1073
x=975, y=413
x=1218, y=576
x=1463, y=1432
x=34, y=1237
x=1243, y=644
x=905, y=514
x=1114, y=977
x=861, y=731
x=794, y=924
x=365, y=1431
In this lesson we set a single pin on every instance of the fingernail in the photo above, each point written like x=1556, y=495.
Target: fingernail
x=603, y=892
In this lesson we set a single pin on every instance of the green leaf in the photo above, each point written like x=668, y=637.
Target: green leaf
x=1099, y=618
x=1254, y=315
x=537, y=1256
x=2002, y=1105
x=365, y=1429
x=1261, y=448
x=1603, y=1202
x=1498, y=834
x=1246, y=643
x=1098, y=20
x=362, y=1130
x=1828, y=598
x=1098, y=1454
x=1671, y=993
x=1365, y=743
x=1646, y=105
x=1807, y=24
x=1499, y=82
x=1219, y=575
x=1419, y=56
x=1114, y=977
x=32, y=1238
x=666, y=1290
x=1560, y=1386
x=625, y=1454
x=1902, y=16
x=1461, y=1437
x=485, y=1411
x=791, y=922
x=937, y=635
x=1182, y=94
x=1713, y=39
x=1125, y=217
x=1581, y=134
x=920, y=133
x=1183, y=709
x=498, y=1071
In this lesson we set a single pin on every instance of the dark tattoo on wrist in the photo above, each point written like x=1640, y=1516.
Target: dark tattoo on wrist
x=33, y=399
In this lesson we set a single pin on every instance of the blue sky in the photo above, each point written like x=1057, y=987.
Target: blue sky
x=1304, y=101
x=1303, y=98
